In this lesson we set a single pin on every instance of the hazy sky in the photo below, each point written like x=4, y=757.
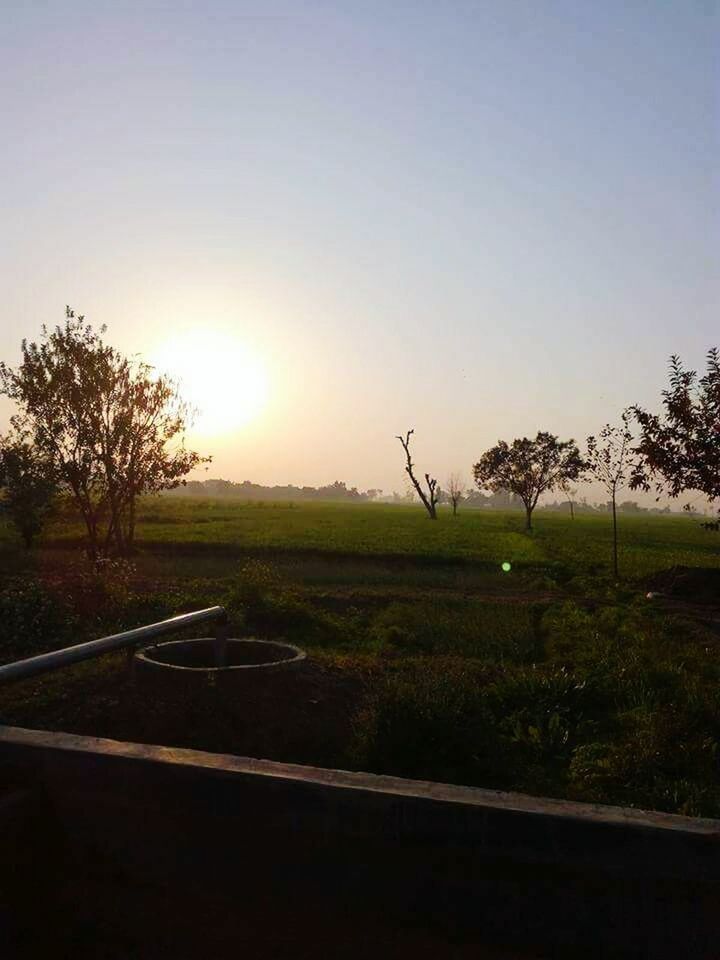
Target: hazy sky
x=474, y=219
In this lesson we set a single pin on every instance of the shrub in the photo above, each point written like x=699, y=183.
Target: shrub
x=255, y=586
x=100, y=590
x=269, y=607
x=429, y=720
x=492, y=632
x=32, y=619
x=456, y=720
x=657, y=763
x=544, y=713
x=30, y=491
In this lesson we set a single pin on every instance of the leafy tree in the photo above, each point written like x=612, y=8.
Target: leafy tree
x=610, y=460
x=680, y=449
x=432, y=496
x=106, y=424
x=529, y=468
x=29, y=488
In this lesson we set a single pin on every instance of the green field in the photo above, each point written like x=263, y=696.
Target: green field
x=426, y=659
x=647, y=543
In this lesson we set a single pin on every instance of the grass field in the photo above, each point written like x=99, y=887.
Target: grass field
x=426, y=659
x=647, y=543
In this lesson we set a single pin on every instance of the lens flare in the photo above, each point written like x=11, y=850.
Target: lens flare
x=506, y=567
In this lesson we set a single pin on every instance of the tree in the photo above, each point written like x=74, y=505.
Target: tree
x=430, y=498
x=528, y=468
x=609, y=460
x=680, y=450
x=105, y=423
x=29, y=488
x=570, y=492
x=455, y=487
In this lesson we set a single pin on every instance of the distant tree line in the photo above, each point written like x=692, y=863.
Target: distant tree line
x=625, y=506
x=246, y=490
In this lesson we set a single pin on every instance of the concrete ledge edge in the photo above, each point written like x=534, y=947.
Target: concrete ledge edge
x=363, y=782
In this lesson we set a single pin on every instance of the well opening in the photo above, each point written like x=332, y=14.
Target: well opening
x=207, y=654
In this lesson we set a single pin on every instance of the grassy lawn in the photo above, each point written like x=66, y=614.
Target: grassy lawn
x=426, y=659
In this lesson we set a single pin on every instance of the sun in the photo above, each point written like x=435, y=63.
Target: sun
x=218, y=376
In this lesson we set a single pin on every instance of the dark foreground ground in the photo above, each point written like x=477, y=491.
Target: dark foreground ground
x=119, y=850
x=550, y=681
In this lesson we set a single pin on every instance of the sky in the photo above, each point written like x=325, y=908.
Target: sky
x=341, y=220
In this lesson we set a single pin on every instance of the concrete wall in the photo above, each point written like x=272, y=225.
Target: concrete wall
x=165, y=846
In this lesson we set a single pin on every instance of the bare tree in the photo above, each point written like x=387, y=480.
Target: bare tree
x=455, y=487
x=430, y=498
x=609, y=460
x=570, y=492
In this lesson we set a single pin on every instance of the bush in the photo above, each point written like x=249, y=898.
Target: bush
x=30, y=491
x=33, y=619
x=429, y=721
x=270, y=608
x=257, y=585
x=455, y=720
x=546, y=713
x=492, y=632
x=657, y=763
x=100, y=590
x=653, y=743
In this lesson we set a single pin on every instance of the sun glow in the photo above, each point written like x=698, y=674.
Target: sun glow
x=223, y=381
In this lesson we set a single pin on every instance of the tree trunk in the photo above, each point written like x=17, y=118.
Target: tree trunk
x=528, y=518
x=572, y=510
x=119, y=539
x=130, y=539
x=91, y=526
x=454, y=508
x=84, y=504
x=431, y=483
x=109, y=535
x=615, y=550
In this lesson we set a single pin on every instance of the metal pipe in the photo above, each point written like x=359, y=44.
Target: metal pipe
x=95, y=648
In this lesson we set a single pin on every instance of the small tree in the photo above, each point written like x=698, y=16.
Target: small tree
x=29, y=487
x=610, y=461
x=529, y=468
x=680, y=450
x=570, y=492
x=455, y=488
x=104, y=422
x=430, y=498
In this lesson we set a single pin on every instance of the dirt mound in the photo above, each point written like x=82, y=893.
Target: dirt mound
x=693, y=584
